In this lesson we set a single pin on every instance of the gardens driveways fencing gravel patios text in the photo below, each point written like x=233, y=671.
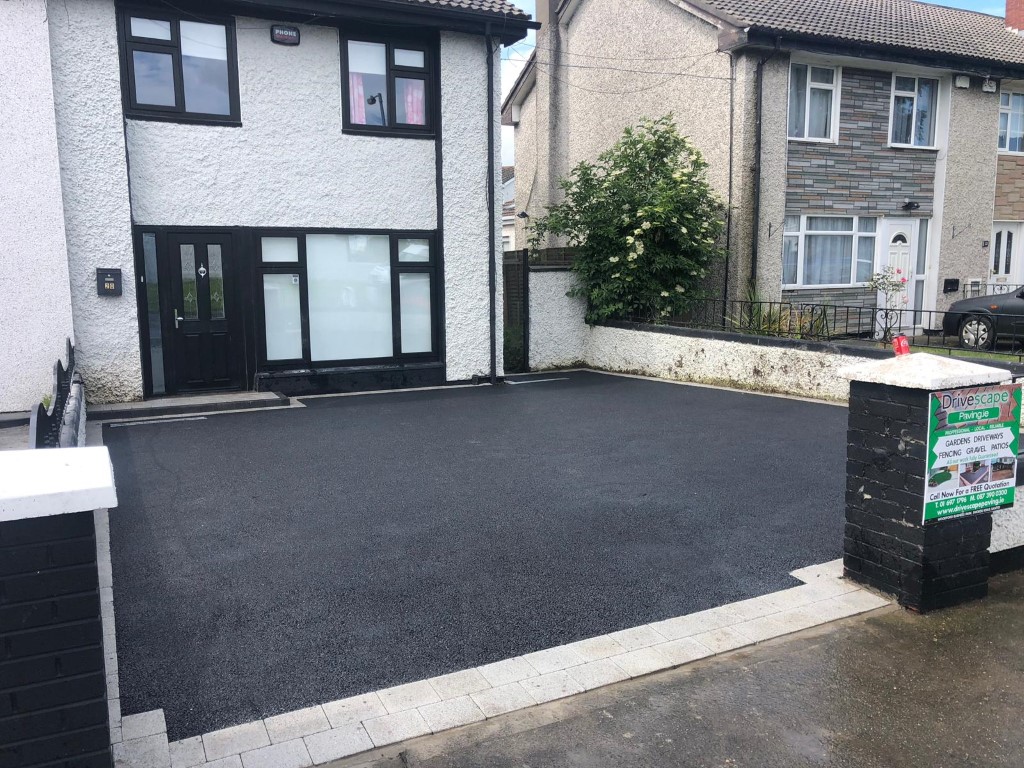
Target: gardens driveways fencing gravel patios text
x=268, y=561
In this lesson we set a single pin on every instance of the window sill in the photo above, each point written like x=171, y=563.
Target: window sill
x=389, y=133
x=187, y=120
x=932, y=148
x=1009, y=153
x=800, y=140
x=830, y=287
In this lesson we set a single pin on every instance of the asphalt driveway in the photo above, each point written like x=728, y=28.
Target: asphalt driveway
x=272, y=560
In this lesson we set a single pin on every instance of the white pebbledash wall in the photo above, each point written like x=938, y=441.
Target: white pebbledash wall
x=35, y=314
x=288, y=165
x=559, y=338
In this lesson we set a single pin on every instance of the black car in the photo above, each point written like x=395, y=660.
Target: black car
x=979, y=321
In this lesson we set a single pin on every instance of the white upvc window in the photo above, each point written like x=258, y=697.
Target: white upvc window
x=1011, y=122
x=813, y=102
x=913, y=112
x=828, y=251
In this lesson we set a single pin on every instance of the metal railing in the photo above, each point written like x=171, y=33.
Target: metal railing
x=968, y=334
x=974, y=289
x=56, y=423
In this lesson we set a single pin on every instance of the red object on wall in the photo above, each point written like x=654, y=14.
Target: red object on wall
x=900, y=345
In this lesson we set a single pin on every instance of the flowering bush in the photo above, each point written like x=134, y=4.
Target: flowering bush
x=892, y=283
x=645, y=224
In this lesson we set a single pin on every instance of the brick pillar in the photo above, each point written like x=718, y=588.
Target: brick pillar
x=887, y=545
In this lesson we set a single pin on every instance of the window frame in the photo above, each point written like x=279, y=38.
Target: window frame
x=429, y=74
x=1008, y=111
x=937, y=107
x=856, y=234
x=396, y=268
x=127, y=44
x=835, y=87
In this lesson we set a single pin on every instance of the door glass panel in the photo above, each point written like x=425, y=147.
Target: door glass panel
x=189, y=295
x=414, y=290
x=216, y=278
x=922, y=248
x=156, y=343
x=280, y=249
x=154, y=78
x=996, y=253
x=204, y=68
x=414, y=250
x=1009, y=252
x=349, y=296
x=154, y=29
x=283, y=319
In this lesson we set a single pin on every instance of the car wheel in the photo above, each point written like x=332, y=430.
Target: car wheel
x=977, y=332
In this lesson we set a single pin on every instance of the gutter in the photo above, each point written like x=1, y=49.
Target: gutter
x=491, y=211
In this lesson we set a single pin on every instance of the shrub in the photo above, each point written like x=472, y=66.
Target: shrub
x=645, y=224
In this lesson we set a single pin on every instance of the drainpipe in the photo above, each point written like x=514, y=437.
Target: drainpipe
x=728, y=211
x=491, y=267
x=759, y=79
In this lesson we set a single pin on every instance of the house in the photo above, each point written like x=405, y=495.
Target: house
x=844, y=135
x=289, y=195
x=508, y=208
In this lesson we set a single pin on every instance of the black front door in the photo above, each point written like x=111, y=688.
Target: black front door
x=205, y=319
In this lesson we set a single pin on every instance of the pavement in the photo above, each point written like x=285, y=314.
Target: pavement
x=273, y=560
x=14, y=438
x=890, y=688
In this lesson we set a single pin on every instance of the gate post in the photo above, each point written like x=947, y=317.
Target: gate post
x=920, y=484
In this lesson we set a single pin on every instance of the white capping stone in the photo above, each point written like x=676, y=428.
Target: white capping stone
x=502, y=673
x=595, y=674
x=642, y=661
x=596, y=648
x=451, y=713
x=144, y=724
x=146, y=752
x=349, y=739
x=115, y=736
x=833, y=569
x=723, y=639
x=354, y=709
x=55, y=481
x=754, y=607
x=287, y=754
x=554, y=685
x=187, y=753
x=922, y=370
x=634, y=638
x=233, y=761
x=554, y=659
x=764, y=628
x=459, y=684
x=294, y=725
x=235, y=740
x=696, y=623
x=503, y=699
x=684, y=650
x=408, y=696
x=114, y=712
x=397, y=727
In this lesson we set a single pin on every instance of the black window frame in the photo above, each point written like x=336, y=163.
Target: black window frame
x=397, y=268
x=429, y=74
x=127, y=44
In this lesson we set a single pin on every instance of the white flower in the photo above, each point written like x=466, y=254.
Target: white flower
x=630, y=240
x=616, y=275
x=646, y=225
x=680, y=289
x=639, y=248
x=685, y=230
x=665, y=294
x=613, y=259
x=631, y=257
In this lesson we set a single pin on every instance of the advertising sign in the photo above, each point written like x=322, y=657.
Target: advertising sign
x=973, y=435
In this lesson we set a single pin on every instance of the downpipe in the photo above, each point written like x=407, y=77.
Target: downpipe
x=492, y=233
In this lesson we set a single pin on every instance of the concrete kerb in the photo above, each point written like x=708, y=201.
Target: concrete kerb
x=380, y=719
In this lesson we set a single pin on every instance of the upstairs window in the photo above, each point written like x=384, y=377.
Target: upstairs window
x=1011, y=122
x=914, y=107
x=178, y=68
x=812, y=102
x=389, y=87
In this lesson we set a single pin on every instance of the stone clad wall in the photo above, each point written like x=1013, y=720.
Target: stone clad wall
x=1010, y=188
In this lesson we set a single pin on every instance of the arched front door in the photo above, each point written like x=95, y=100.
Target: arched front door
x=904, y=249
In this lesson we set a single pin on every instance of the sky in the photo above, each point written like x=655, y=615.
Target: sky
x=514, y=57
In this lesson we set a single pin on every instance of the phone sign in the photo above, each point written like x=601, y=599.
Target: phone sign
x=283, y=35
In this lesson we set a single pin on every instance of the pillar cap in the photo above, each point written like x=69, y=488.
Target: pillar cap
x=55, y=481
x=922, y=370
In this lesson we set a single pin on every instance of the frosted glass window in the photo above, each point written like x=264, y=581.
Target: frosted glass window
x=349, y=285
x=156, y=343
x=216, y=279
x=204, y=67
x=280, y=249
x=283, y=321
x=414, y=290
x=154, y=78
x=154, y=29
x=414, y=250
x=189, y=289
x=408, y=58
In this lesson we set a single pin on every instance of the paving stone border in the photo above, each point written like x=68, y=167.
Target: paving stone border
x=339, y=729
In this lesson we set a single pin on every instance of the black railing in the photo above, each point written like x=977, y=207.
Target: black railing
x=47, y=418
x=968, y=334
x=973, y=289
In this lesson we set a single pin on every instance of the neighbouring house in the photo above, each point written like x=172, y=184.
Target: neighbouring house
x=508, y=208
x=290, y=195
x=844, y=135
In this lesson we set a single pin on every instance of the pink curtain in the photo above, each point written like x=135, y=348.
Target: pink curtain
x=356, y=99
x=415, y=113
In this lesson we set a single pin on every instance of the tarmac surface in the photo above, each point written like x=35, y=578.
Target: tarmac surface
x=887, y=689
x=276, y=559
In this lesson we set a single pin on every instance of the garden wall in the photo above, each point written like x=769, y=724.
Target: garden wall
x=558, y=334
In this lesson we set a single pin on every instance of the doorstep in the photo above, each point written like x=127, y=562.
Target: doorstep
x=187, y=404
x=324, y=733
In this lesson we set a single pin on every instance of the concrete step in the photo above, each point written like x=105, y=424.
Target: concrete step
x=190, y=404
